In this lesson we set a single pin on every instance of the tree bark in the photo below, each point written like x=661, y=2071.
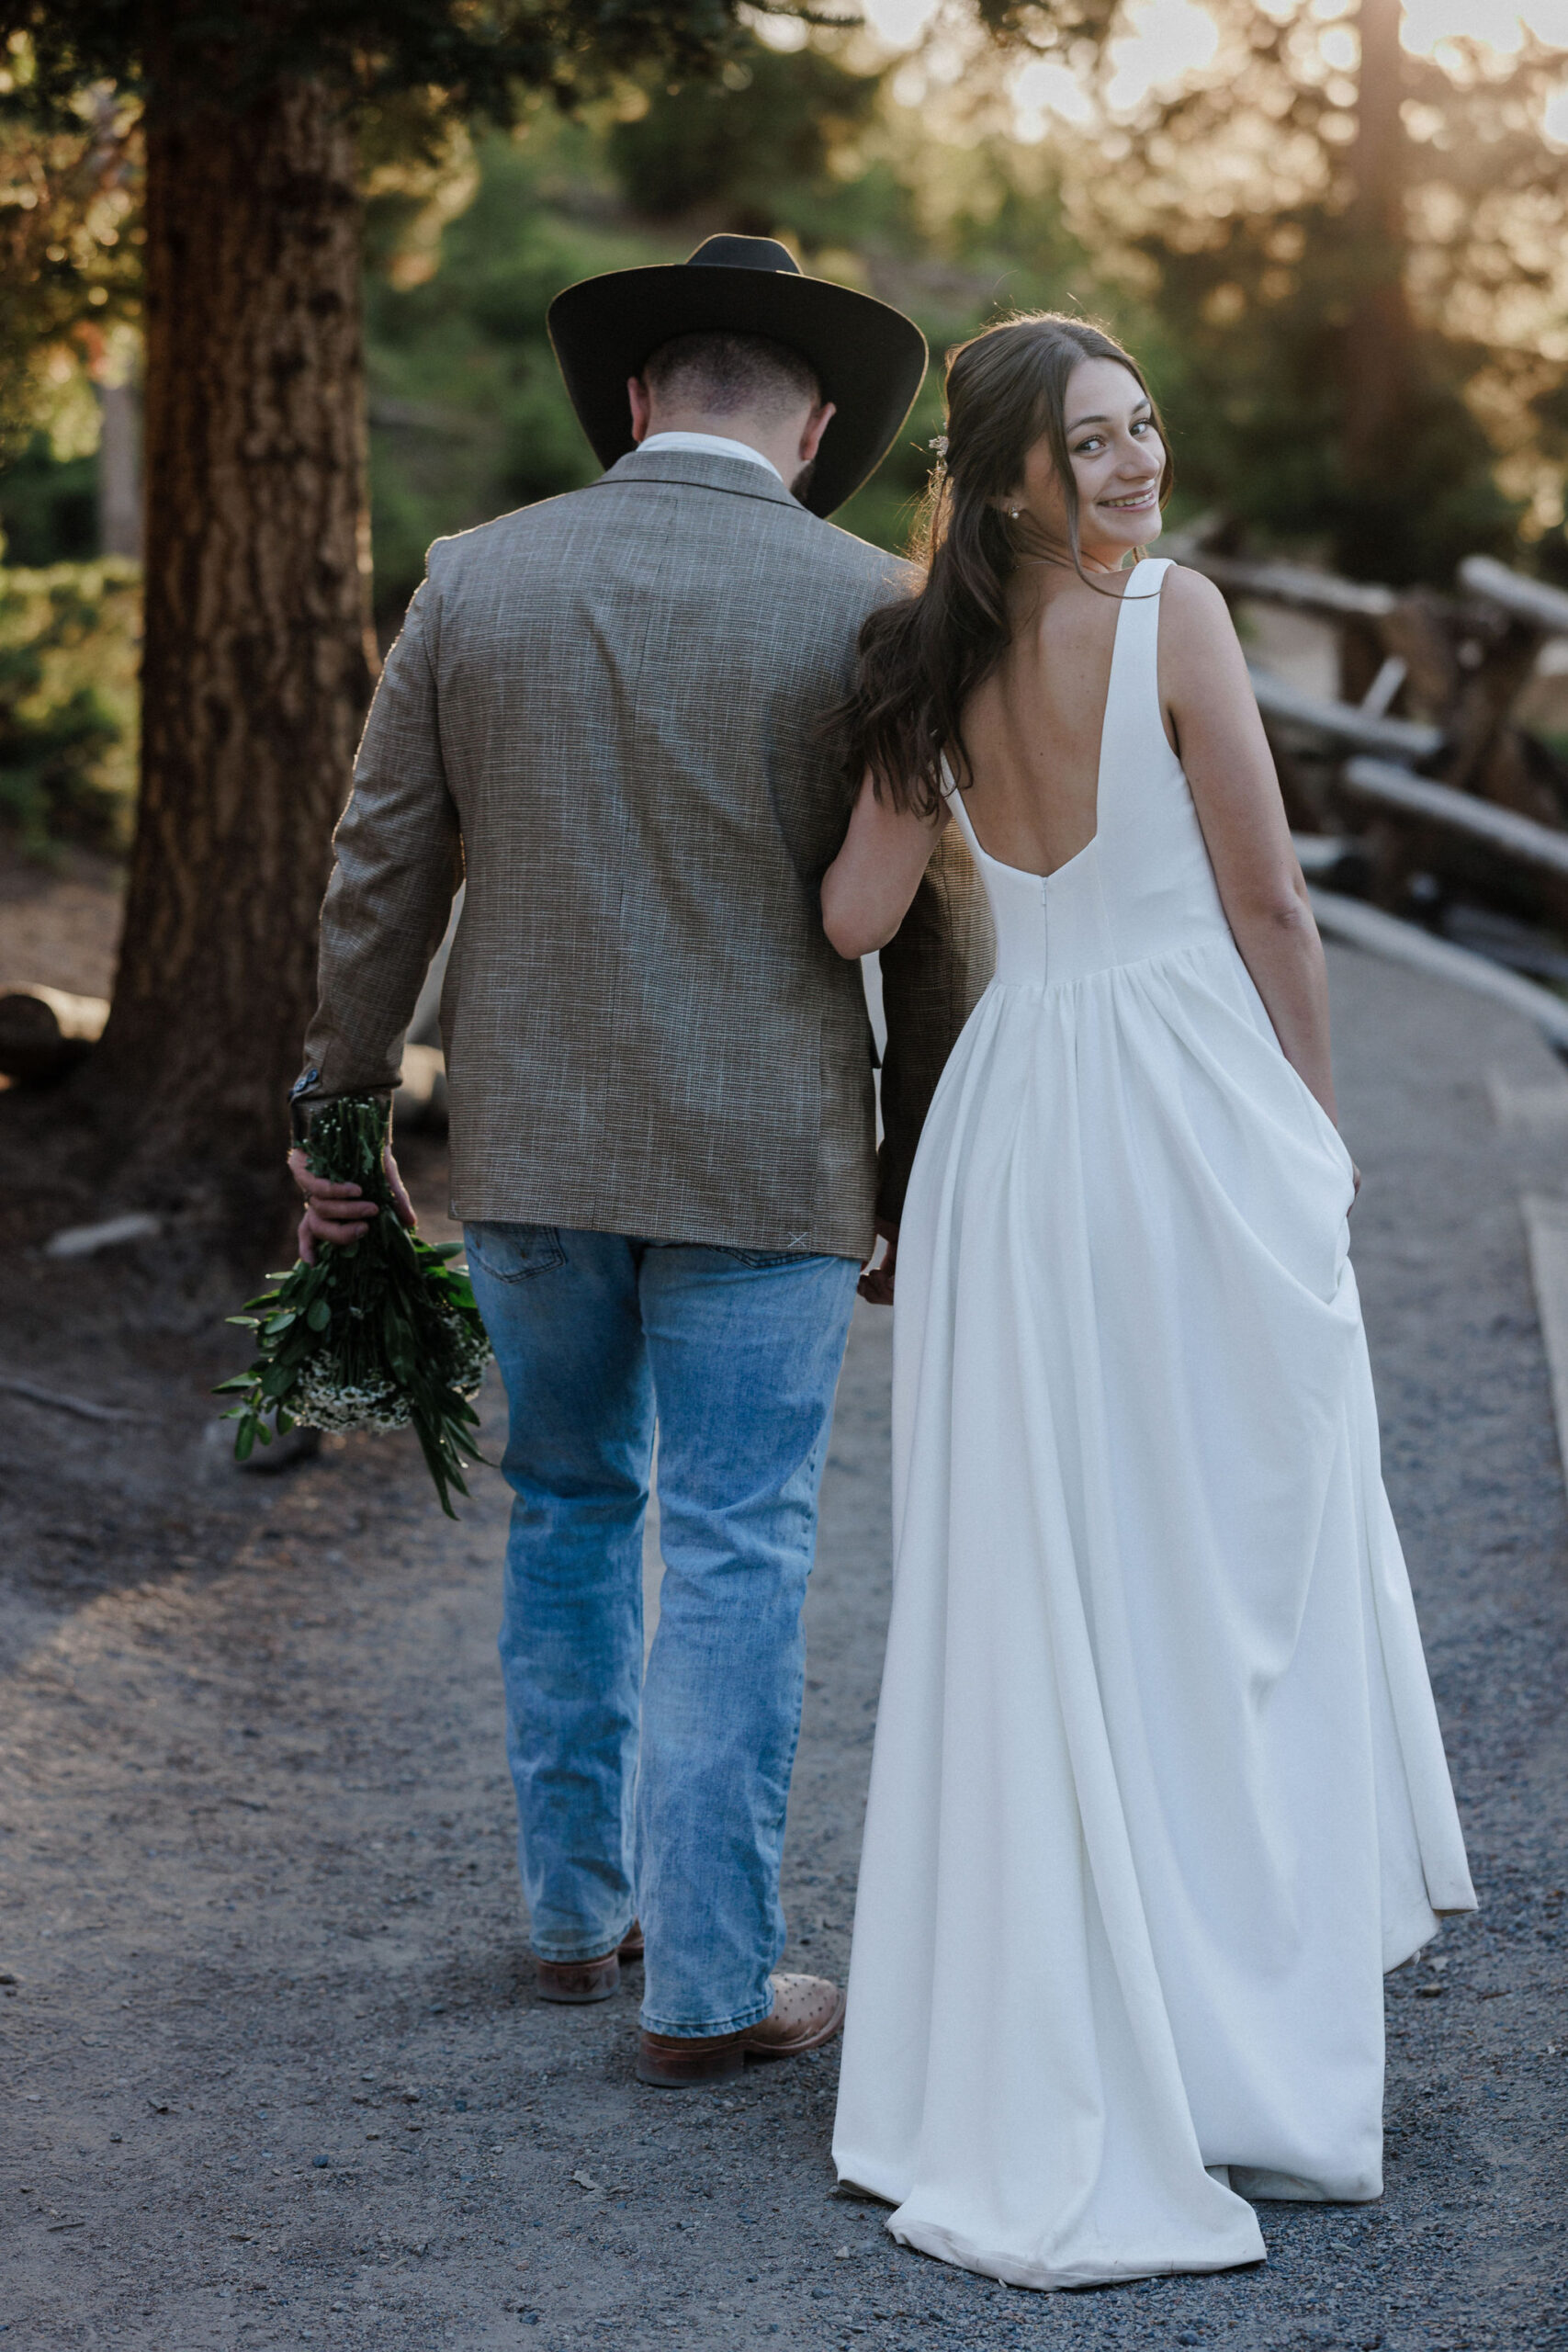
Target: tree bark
x=258, y=655
x=1378, y=356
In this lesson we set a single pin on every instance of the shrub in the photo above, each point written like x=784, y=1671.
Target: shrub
x=69, y=645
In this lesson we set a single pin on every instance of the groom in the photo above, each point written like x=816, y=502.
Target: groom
x=604, y=712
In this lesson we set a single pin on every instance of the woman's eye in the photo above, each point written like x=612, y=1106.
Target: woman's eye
x=1143, y=425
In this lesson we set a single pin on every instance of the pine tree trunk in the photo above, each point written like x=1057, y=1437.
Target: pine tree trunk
x=257, y=656
x=1377, y=359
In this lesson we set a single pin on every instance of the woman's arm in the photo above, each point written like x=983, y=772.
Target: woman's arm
x=1220, y=737
x=869, y=888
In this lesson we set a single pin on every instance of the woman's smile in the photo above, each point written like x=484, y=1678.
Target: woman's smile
x=1131, y=502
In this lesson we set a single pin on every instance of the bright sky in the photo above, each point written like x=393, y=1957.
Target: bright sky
x=1169, y=37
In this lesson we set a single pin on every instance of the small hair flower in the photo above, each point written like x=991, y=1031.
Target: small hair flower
x=939, y=443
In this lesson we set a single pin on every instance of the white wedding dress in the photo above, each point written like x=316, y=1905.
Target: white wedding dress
x=1158, y=1790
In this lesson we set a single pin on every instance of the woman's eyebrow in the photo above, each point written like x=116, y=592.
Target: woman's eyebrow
x=1082, y=421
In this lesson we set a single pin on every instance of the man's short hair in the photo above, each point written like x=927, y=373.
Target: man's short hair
x=723, y=375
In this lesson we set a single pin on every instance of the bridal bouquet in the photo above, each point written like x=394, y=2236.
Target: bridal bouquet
x=378, y=1334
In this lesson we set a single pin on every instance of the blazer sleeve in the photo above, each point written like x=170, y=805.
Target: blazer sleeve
x=933, y=972
x=397, y=860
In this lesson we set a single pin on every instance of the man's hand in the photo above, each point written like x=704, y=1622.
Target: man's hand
x=340, y=1212
x=875, y=1283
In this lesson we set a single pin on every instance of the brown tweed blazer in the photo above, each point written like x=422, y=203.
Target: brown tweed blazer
x=604, y=710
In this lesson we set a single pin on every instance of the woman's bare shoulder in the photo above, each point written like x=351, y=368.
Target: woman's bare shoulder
x=1195, y=621
x=1191, y=596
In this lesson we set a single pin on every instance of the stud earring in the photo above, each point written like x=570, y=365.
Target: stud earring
x=1013, y=513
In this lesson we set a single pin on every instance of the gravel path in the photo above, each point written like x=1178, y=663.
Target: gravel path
x=275, y=2073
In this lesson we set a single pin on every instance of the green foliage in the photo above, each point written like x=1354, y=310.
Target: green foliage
x=378, y=1334
x=68, y=652
x=74, y=76
x=773, y=137
x=1047, y=26
x=1244, y=277
x=70, y=254
x=1258, y=408
x=480, y=53
x=48, y=506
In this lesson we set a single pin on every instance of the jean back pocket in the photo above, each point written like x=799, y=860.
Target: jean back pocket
x=511, y=1253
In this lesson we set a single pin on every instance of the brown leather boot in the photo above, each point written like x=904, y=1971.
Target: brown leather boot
x=577, y=1981
x=807, y=2012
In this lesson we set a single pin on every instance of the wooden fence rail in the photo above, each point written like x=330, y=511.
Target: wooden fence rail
x=1395, y=790
x=1428, y=682
x=1345, y=722
x=1535, y=601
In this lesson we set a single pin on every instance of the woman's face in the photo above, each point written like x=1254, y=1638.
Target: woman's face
x=1117, y=458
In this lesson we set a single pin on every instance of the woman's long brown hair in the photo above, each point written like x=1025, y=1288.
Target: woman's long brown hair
x=922, y=658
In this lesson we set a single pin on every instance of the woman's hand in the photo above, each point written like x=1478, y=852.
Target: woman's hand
x=340, y=1213
x=875, y=1283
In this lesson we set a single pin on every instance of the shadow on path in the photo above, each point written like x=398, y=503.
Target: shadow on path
x=275, y=2073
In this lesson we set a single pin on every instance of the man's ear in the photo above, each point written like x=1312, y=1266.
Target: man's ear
x=642, y=407
x=817, y=424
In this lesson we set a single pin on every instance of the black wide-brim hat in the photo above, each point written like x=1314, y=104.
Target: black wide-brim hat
x=868, y=357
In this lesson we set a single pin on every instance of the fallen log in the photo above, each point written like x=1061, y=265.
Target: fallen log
x=45, y=1032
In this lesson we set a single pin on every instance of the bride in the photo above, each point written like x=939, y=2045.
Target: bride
x=1158, y=1790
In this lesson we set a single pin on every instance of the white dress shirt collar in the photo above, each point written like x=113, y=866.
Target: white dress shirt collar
x=707, y=445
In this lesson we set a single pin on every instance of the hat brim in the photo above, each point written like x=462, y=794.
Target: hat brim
x=868, y=357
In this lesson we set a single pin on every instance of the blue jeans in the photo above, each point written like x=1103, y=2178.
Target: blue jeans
x=663, y=1797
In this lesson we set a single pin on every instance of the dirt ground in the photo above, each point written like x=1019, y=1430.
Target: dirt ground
x=59, y=925
x=274, y=2070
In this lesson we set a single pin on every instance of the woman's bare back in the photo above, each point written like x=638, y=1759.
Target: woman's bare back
x=1032, y=728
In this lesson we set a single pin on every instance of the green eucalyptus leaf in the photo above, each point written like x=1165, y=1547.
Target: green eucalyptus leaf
x=387, y=1320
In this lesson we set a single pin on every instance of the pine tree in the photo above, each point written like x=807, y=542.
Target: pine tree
x=258, y=660
x=1361, y=257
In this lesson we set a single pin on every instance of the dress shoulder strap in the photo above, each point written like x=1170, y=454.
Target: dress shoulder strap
x=1144, y=583
x=954, y=799
x=1134, y=730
